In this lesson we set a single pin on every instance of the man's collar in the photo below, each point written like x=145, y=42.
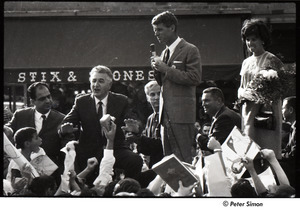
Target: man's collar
x=293, y=125
x=174, y=44
x=39, y=115
x=104, y=100
x=215, y=116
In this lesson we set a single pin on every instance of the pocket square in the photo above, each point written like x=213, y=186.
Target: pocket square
x=177, y=61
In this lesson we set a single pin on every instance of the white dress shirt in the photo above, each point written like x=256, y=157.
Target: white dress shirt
x=173, y=46
x=38, y=120
x=104, y=104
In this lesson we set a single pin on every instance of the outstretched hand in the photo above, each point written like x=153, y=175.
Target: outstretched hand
x=110, y=134
x=248, y=163
x=185, y=191
x=67, y=128
x=131, y=125
x=213, y=143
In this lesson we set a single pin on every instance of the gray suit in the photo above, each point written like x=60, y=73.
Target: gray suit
x=178, y=101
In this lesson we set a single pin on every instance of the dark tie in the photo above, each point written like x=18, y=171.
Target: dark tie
x=166, y=55
x=44, y=121
x=99, y=113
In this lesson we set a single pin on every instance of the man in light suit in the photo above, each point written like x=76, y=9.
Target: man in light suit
x=223, y=118
x=40, y=97
x=178, y=71
x=85, y=113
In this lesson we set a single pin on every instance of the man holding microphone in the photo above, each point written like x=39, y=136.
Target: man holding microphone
x=178, y=71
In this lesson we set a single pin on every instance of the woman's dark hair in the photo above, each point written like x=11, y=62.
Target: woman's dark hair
x=243, y=189
x=259, y=29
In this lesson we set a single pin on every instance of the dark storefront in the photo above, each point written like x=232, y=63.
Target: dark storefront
x=61, y=50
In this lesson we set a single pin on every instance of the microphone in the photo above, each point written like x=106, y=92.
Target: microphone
x=152, y=49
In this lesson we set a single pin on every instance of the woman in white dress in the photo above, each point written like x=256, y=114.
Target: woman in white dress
x=256, y=35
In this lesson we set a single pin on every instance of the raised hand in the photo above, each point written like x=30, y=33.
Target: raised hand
x=268, y=154
x=67, y=128
x=92, y=162
x=213, y=143
x=131, y=125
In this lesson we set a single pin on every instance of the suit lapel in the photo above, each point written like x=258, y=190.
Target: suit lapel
x=92, y=108
x=111, y=103
x=215, y=119
x=32, y=120
x=177, y=50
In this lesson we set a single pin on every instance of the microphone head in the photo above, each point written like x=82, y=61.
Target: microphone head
x=152, y=47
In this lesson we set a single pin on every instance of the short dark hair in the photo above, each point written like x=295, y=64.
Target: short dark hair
x=22, y=135
x=32, y=89
x=215, y=92
x=167, y=18
x=128, y=185
x=258, y=28
x=206, y=124
x=291, y=102
x=243, y=189
x=40, y=185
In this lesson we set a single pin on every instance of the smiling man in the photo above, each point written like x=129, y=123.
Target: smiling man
x=87, y=112
x=223, y=118
x=178, y=71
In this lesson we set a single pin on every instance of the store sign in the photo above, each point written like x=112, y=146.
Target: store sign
x=71, y=76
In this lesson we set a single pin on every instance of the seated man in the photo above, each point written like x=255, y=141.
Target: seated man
x=223, y=118
x=288, y=161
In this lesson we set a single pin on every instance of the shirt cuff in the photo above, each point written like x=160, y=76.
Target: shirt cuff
x=109, y=153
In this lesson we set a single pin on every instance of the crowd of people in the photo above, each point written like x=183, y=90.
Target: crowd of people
x=101, y=149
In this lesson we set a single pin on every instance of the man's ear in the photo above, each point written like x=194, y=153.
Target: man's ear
x=172, y=27
x=32, y=102
x=26, y=143
x=148, y=98
x=220, y=100
x=291, y=110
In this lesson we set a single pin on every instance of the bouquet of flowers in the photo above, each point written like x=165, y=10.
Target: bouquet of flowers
x=270, y=85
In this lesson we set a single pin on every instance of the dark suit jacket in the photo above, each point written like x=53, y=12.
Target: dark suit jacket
x=51, y=143
x=179, y=83
x=223, y=124
x=83, y=113
x=149, y=143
